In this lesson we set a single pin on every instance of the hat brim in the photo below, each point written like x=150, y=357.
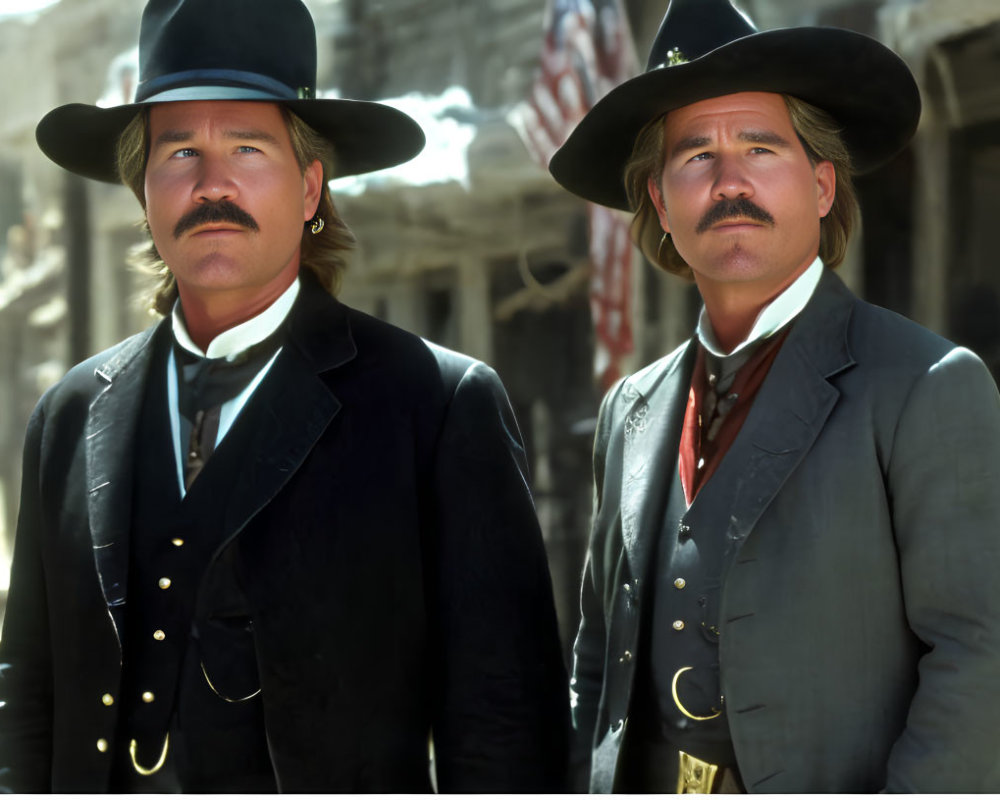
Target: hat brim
x=366, y=136
x=866, y=87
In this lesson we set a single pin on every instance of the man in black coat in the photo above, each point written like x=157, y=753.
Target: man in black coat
x=271, y=543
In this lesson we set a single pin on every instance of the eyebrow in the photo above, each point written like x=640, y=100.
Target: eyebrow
x=750, y=136
x=175, y=136
x=691, y=143
x=763, y=137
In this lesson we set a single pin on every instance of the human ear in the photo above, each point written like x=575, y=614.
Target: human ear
x=312, y=186
x=656, y=195
x=826, y=186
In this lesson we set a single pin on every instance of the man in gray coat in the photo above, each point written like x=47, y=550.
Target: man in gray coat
x=791, y=583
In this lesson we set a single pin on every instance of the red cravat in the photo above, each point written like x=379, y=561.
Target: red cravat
x=707, y=434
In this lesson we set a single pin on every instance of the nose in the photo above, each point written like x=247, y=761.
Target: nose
x=214, y=181
x=731, y=179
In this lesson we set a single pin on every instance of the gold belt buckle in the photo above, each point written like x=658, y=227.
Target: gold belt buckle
x=695, y=776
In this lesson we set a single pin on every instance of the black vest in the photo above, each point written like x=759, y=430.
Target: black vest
x=192, y=674
x=683, y=629
x=687, y=566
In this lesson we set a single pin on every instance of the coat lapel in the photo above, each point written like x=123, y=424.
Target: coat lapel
x=295, y=405
x=110, y=448
x=658, y=398
x=793, y=404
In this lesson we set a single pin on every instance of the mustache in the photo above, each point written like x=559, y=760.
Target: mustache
x=738, y=208
x=207, y=213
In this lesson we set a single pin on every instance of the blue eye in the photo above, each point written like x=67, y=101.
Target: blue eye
x=246, y=148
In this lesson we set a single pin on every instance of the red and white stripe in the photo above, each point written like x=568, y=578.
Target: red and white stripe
x=587, y=50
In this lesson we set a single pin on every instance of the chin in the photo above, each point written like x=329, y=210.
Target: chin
x=736, y=264
x=213, y=277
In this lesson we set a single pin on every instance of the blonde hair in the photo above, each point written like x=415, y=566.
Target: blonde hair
x=324, y=254
x=820, y=136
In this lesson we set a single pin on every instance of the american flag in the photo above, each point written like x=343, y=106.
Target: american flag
x=587, y=51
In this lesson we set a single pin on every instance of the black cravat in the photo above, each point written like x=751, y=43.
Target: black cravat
x=203, y=386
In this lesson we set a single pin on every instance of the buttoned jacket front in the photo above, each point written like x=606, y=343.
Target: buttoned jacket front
x=860, y=616
x=387, y=544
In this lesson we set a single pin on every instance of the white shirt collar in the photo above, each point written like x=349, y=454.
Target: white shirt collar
x=231, y=342
x=774, y=316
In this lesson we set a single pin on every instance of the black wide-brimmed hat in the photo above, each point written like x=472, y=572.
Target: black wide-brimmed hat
x=706, y=48
x=262, y=50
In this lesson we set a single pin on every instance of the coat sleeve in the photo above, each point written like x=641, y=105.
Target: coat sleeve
x=944, y=486
x=25, y=658
x=500, y=717
x=589, y=649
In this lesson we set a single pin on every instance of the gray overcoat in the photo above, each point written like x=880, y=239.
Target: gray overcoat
x=860, y=616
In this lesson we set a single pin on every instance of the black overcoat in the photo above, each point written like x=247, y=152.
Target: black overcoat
x=387, y=543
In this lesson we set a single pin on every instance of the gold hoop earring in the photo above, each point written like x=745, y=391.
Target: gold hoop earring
x=318, y=223
x=659, y=250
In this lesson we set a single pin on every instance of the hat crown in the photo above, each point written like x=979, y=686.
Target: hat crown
x=266, y=45
x=230, y=50
x=692, y=28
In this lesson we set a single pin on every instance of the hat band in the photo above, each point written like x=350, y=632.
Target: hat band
x=268, y=87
